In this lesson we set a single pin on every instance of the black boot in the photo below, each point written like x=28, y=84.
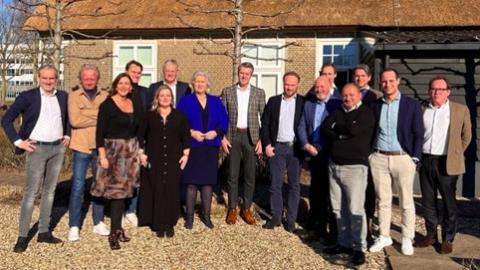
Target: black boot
x=113, y=240
x=47, y=237
x=206, y=220
x=21, y=245
x=189, y=221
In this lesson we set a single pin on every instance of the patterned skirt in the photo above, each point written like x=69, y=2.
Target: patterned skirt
x=122, y=176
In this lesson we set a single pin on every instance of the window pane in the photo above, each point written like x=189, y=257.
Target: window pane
x=269, y=84
x=125, y=54
x=146, y=79
x=327, y=49
x=338, y=49
x=254, y=80
x=269, y=53
x=145, y=55
x=327, y=60
x=252, y=53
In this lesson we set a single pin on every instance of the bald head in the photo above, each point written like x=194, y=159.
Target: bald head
x=322, y=87
x=351, y=95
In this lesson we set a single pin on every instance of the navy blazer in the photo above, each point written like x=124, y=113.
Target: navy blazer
x=271, y=117
x=28, y=104
x=307, y=122
x=409, y=126
x=182, y=89
x=217, y=117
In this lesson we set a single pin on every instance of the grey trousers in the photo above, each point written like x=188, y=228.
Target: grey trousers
x=242, y=150
x=347, y=193
x=43, y=167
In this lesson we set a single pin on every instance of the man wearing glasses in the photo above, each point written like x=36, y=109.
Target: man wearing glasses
x=447, y=136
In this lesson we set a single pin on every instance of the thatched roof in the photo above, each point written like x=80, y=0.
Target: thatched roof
x=158, y=14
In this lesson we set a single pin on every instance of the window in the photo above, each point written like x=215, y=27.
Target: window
x=269, y=66
x=343, y=53
x=144, y=52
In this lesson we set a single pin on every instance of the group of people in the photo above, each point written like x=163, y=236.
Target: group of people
x=156, y=147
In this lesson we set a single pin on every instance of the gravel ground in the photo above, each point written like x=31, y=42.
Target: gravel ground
x=225, y=247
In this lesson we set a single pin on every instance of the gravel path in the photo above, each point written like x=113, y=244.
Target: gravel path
x=225, y=247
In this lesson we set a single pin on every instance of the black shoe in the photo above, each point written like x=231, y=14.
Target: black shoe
x=291, y=228
x=271, y=225
x=188, y=222
x=170, y=232
x=21, y=245
x=358, y=257
x=47, y=237
x=206, y=220
x=337, y=249
x=160, y=234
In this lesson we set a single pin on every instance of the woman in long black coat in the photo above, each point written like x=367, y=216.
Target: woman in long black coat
x=164, y=135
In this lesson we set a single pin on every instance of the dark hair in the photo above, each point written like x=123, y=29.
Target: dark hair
x=439, y=78
x=363, y=67
x=246, y=65
x=397, y=76
x=328, y=65
x=291, y=73
x=133, y=62
x=113, y=90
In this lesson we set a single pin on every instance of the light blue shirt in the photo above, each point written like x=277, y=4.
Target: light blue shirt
x=286, y=131
x=387, y=129
x=320, y=114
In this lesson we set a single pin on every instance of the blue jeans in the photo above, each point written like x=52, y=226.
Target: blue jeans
x=132, y=203
x=81, y=161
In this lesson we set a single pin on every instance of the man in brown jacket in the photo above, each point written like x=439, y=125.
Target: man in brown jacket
x=83, y=106
x=447, y=135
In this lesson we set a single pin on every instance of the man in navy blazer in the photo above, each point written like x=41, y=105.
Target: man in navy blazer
x=315, y=110
x=278, y=134
x=44, y=135
x=170, y=76
x=397, y=150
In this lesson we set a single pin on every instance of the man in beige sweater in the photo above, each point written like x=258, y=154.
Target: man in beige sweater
x=83, y=106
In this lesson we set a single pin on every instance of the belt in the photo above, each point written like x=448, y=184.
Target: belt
x=433, y=156
x=242, y=130
x=391, y=153
x=57, y=142
x=286, y=143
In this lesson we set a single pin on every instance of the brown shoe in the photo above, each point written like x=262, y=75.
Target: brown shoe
x=425, y=242
x=446, y=247
x=231, y=216
x=247, y=216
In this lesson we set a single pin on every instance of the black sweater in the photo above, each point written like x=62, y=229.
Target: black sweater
x=349, y=135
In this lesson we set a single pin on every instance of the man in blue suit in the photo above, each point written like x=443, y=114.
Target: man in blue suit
x=170, y=78
x=397, y=150
x=44, y=135
x=316, y=109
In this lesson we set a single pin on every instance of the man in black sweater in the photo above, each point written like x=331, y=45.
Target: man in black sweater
x=349, y=131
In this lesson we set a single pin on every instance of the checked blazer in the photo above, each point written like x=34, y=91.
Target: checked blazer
x=256, y=105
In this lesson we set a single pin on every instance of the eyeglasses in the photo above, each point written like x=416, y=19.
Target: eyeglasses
x=439, y=89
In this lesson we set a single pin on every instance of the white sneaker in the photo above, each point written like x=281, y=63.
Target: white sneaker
x=73, y=234
x=101, y=229
x=132, y=219
x=380, y=243
x=407, y=247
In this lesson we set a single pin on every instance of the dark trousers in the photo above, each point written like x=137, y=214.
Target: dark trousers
x=434, y=179
x=284, y=160
x=242, y=150
x=321, y=213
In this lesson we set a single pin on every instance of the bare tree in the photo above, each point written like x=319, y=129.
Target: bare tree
x=53, y=15
x=234, y=13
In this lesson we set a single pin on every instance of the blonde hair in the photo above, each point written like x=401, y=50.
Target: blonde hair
x=201, y=74
x=157, y=93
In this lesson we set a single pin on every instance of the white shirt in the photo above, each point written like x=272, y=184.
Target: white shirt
x=174, y=91
x=49, y=126
x=286, y=129
x=243, y=96
x=436, y=122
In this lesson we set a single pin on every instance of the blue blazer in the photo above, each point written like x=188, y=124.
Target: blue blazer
x=409, y=126
x=28, y=104
x=306, y=126
x=182, y=90
x=217, y=117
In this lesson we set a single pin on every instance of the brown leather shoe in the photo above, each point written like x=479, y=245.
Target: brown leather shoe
x=231, y=216
x=247, y=216
x=425, y=242
x=446, y=247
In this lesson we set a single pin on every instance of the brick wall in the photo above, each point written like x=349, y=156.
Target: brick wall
x=302, y=61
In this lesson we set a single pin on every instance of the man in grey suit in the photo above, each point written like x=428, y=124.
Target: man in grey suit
x=245, y=104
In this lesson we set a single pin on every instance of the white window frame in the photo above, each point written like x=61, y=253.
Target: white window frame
x=320, y=42
x=147, y=69
x=274, y=69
